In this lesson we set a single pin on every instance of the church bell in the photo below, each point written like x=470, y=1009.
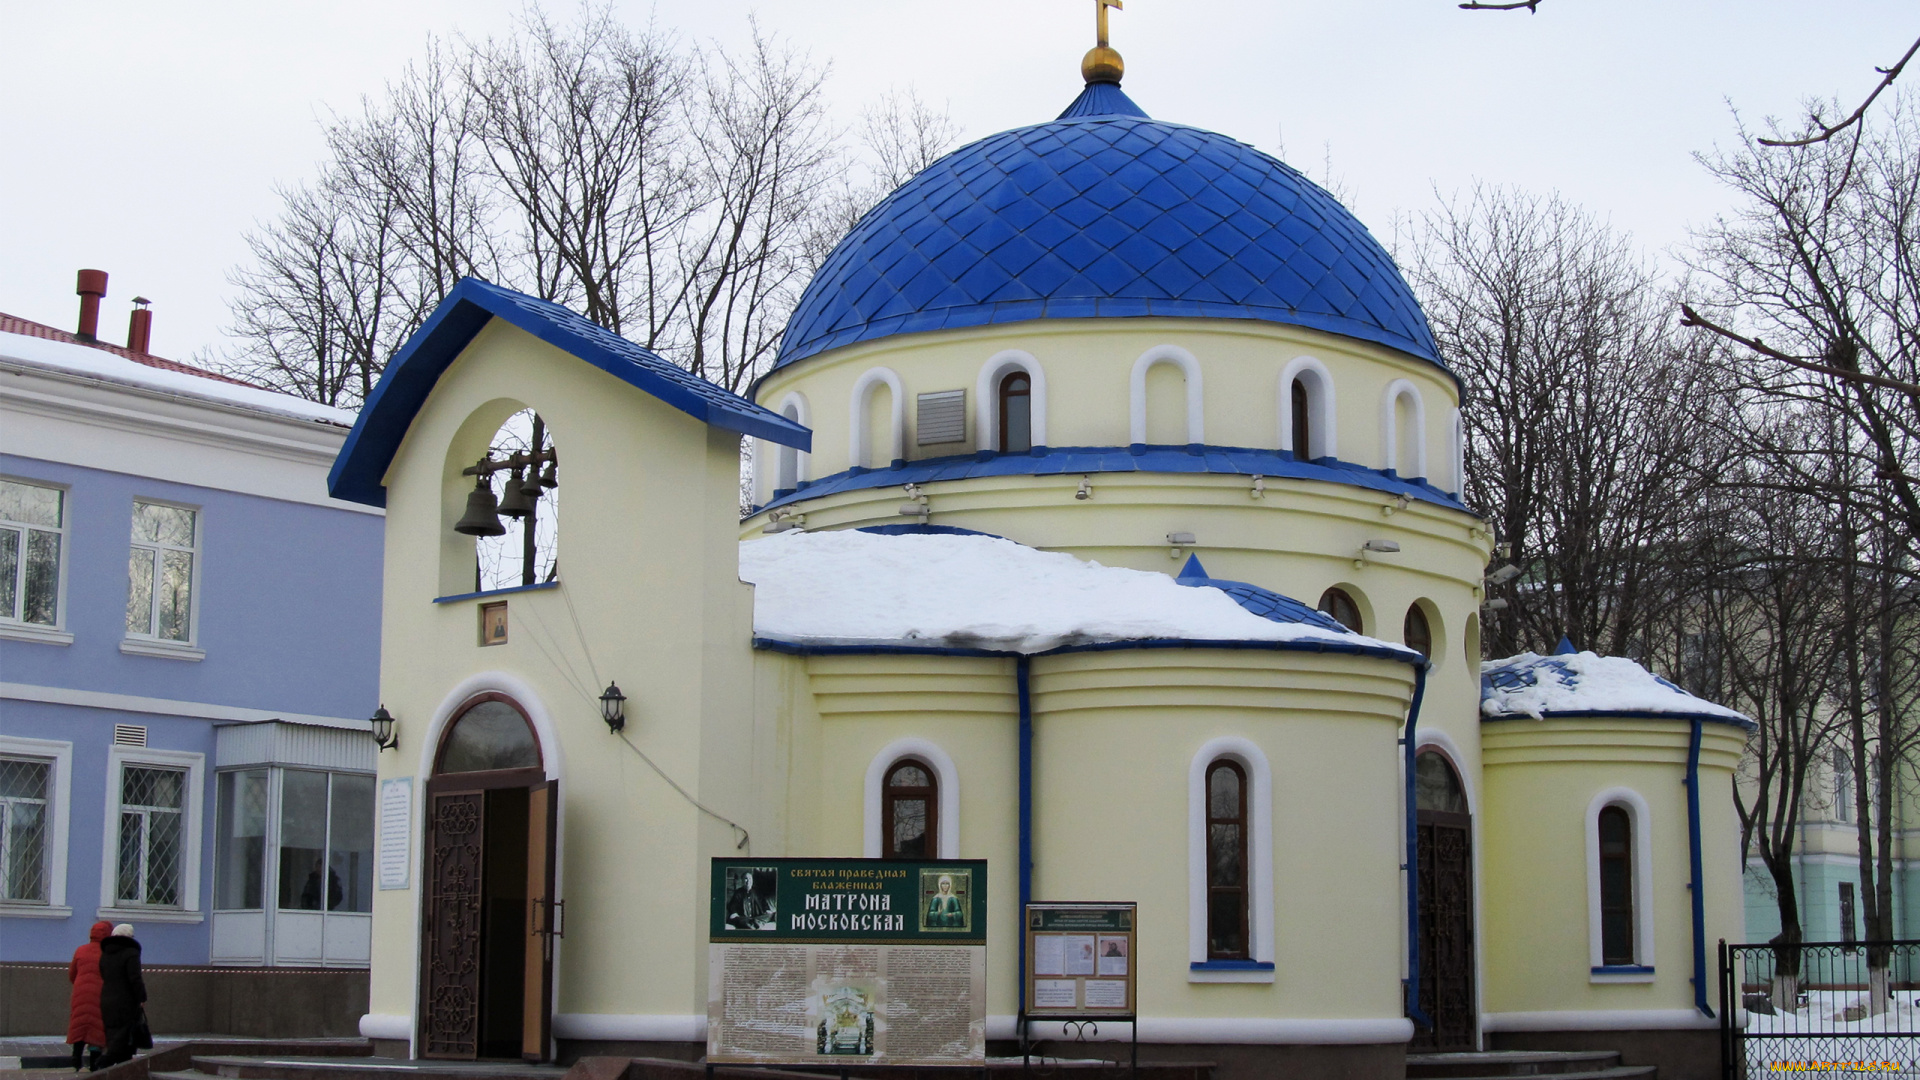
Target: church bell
x=482, y=517
x=515, y=500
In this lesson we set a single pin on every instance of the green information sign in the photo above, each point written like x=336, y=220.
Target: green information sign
x=874, y=901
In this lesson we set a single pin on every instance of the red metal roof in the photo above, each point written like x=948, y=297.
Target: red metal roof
x=14, y=324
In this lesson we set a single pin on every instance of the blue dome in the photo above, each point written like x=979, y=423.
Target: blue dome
x=1106, y=213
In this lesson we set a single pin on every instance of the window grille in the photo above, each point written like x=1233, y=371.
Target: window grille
x=23, y=829
x=943, y=418
x=32, y=527
x=160, y=570
x=129, y=735
x=151, y=838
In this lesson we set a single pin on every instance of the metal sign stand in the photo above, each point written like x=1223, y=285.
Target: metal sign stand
x=1080, y=1026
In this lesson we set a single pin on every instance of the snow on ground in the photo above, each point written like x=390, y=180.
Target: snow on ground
x=982, y=592
x=1533, y=685
x=100, y=364
x=1811, y=1034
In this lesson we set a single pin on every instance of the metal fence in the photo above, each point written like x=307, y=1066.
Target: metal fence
x=1820, y=1007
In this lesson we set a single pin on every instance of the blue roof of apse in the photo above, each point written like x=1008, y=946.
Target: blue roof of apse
x=1269, y=605
x=1103, y=213
x=412, y=373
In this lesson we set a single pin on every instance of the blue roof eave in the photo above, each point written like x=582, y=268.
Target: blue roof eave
x=1625, y=714
x=410, y=377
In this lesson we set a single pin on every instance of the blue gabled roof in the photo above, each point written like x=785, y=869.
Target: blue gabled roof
x=414, y=370
x=1103, y=213
x=1269, y=605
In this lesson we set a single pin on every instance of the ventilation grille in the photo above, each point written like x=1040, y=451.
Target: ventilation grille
x=943, y=418
x=129, y=735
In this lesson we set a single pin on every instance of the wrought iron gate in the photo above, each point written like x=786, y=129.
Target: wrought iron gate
x=450, y=964
x=1820, y=1007
x=1446, y=931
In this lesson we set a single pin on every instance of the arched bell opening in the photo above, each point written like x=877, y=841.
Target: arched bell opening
x=490, y=911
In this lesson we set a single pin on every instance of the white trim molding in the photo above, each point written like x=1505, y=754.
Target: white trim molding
x=1260, y=899
x=162, y=650
x=859, y=439
x=98, y=699
x=191, y=826
x=987, y=393
x=387, y=1026
x=59, y=820
x=498, y=682
x=795, y=408
x=945, y=774
x=1340, y=1031
x=1641, y=819
x=623, y=1027
x=1390, y=436
x=1457, y=451
x=1137, y=394
x=1322, y=440
x=1598, y=1020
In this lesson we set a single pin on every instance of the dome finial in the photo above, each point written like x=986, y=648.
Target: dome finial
x=1102, y=63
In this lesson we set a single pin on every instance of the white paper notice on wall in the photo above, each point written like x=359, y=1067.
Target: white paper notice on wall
x=396, y=832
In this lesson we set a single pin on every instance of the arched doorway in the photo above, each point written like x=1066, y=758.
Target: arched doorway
x=1446, y=906
x=486, y=943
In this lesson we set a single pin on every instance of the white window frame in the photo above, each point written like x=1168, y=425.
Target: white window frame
x=150, y=643
x=1640, y=817
x=1457, y=450
x=118, y=757
x=17, y=629
x=1260, y=853
x=1189, y=365
x=795, y=408
x=859, y=442
x=946, y=776
x=1390, y=434
x=987, y=393
x=59, y=818
x=1322, y=441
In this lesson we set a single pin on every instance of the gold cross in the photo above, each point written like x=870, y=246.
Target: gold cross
x=1100, y=8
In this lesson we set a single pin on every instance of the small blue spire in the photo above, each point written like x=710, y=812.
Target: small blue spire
x=1565, y=648
x=1103, y=99
x=1193, y=569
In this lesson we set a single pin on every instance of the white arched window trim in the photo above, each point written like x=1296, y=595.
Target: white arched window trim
x=1322, y=441
x=1641, y=820
x=1196, y=409
x=858, y=440
x=1390, y=434
x=1259, y=850
x=948, y=777
x=987, y=393
x=794, y=407
x=1457, y=450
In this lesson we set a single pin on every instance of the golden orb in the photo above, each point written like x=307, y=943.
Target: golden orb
x=1102, y=64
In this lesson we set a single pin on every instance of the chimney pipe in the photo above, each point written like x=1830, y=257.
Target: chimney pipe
x=140, y=326
x=92, y=288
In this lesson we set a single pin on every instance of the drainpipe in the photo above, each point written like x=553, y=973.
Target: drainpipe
x=1413, y=855
x=1693, y=851
x=1023, y=672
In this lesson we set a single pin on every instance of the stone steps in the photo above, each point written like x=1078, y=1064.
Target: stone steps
x=1505, y=1064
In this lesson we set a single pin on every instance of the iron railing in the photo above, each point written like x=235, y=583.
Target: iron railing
x=1820, y=1007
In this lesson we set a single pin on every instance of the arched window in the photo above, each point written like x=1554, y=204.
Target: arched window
x=911, y=814
x=518, y=544
x=1227, y=937
x=1302, y=429
x=1344, y=609
x=877, y=428
x=1616, y=887
x=1416, y=633
x=1016, y=413
x=1403, y=430
x=489, y=736
x=789, y=473
x=1193, y=423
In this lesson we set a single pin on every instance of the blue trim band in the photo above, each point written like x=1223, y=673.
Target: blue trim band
x=803, y=649
x=1083, y=460
x=457, y=597
x=1627, y=714
x=1623, y=969
x=1231, y=965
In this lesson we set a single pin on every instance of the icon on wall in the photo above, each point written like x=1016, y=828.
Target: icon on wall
x=493, y=623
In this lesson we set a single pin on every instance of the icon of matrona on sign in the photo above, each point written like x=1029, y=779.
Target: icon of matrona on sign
x=946, y=901
x=752, y=897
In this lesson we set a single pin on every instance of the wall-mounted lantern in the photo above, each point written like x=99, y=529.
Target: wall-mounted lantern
x=385, y=733
x=613, y=708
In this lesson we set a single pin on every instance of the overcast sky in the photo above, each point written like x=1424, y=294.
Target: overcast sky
x=145, y=138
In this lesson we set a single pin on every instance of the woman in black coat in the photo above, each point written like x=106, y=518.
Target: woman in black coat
x=122, y=992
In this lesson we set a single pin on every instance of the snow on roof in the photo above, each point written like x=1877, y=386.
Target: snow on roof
x=108, y=366
x=1581, y=683
x=852, y=588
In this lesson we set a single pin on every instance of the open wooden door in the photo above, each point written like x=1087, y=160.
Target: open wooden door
x=545, y=920
x=451, y=937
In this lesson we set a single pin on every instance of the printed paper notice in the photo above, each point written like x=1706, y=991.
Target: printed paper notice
x=1049, y=958
x=1113, y=955
x=1106, y=994
x=1079, y=949
x=1054, y=994
x=396, y=832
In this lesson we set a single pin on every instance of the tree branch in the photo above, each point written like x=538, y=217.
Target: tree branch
x=1828, y=131
x=1690, y=317
x=1531, y=5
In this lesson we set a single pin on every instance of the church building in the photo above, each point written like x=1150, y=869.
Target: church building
x=1106, y=526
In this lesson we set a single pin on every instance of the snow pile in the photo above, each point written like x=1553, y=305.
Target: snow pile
x=1533, y=685
x=983, y=592
x=101, y=364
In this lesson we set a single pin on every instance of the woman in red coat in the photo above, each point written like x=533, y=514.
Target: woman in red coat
x=85, y=1030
